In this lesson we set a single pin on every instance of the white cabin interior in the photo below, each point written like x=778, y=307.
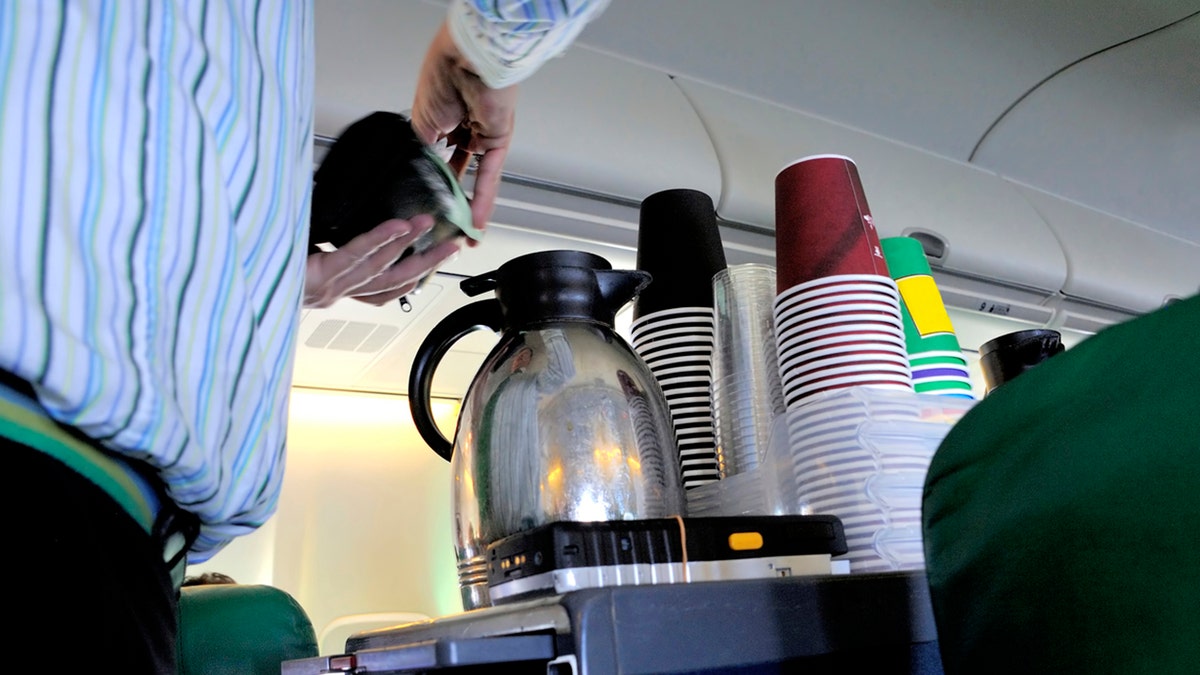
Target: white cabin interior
x=1047, y=153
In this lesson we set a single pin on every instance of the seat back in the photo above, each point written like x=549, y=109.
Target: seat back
x=241, y=628
x=1061, y=514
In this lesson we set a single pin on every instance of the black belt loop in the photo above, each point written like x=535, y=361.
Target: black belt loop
x=174, y=531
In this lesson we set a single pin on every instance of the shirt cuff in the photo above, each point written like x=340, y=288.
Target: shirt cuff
x=504, y=54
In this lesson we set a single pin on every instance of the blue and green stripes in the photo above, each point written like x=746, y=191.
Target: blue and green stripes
x=155, y=166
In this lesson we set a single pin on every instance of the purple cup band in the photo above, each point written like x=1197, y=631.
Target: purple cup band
x=922, y=373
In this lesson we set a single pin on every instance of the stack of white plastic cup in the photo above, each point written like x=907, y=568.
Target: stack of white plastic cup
x=861, y=454
x=746, y=390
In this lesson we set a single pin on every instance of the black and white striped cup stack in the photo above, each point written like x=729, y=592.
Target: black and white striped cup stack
x=680, y=246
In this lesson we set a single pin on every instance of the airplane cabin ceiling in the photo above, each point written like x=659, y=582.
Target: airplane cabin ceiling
x=1119, y=131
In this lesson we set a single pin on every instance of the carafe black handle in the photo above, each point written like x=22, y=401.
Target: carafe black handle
x=460, y=322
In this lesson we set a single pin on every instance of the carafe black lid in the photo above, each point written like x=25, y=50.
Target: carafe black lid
x=558, y=286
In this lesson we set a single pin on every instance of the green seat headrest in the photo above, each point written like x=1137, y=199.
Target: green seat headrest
x=236, y=628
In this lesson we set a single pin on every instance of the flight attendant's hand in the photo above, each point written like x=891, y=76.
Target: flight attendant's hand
x=366, y=269
x=453, y=103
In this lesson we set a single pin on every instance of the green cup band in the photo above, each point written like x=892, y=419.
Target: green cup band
x=904, y=257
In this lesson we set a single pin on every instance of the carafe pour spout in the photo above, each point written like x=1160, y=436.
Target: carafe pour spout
x=618, y=287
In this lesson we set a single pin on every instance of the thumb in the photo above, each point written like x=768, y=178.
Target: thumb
x=424, y=127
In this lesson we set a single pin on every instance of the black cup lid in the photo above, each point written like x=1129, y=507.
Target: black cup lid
x=1036, y=337
x=1005, y=357
x=679, y=244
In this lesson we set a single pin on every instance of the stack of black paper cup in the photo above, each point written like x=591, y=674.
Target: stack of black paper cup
x=680, y=246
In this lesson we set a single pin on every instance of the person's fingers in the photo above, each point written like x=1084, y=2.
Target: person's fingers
x=336, y=274
x=452, y=102
x=428, y=119
x=325, y=271
x=428, y=113
x=434, y=120
x=491, y=113
x=459, y=137
x=439, y=106
x=423, y=127
x=407, y=271
x=403, y=277
x=372, y=240
x=487, y=186
x=361, y=265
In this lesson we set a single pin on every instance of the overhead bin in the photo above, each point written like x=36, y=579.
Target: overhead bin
x=985, y=228
x=585, y=120
x=1115, y=262
x=1118, y=132
x=610, y=126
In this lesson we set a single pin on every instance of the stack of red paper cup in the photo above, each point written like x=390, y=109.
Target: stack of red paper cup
x=837, y=313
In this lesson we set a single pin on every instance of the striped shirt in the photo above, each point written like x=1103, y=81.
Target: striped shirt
x=507, y=40
x=155, y=174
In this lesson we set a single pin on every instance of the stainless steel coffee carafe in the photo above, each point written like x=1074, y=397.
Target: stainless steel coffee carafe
x=563, y=421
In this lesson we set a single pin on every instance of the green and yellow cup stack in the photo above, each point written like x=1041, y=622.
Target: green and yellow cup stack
x=937, y=361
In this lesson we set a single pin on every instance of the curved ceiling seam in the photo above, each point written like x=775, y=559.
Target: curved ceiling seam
x=1012, y=106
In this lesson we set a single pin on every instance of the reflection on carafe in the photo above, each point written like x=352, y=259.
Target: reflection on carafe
x=648, y=437
x=512, y=454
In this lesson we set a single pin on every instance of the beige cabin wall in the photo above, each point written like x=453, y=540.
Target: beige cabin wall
x=363, y=523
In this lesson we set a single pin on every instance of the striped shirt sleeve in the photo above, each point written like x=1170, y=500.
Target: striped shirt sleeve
x=508, y=40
